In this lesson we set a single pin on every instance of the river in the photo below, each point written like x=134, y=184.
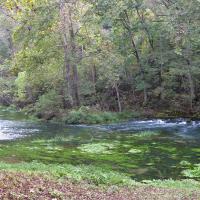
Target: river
x=143, y=149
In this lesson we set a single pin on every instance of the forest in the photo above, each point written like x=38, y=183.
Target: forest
x=119, y=55
x=99, y=99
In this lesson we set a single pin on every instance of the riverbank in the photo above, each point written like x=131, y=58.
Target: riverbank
x=88, y=115
x=38, y=181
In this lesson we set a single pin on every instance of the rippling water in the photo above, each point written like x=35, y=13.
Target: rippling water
x=181, y=127
x=144, y=149
x=16, y=129
x=10, y=130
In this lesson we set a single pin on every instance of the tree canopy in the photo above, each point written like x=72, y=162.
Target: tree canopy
x=111, y=54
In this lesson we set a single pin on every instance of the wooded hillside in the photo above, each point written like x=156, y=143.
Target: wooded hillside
x=113, y=55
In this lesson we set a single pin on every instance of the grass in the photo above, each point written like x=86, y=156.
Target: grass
x=174, y=184
x=90, y=174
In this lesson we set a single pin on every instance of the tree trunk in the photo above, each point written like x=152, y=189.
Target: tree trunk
x=136, y=53
x=67, y=98
x=189, y=74
x=137, y=56
x=70, y=64
x=74, y=64
x=94, y=77
x=10, y=42
x=191, y=84
x=161, y=71
x=143, y=22
x=118, y=97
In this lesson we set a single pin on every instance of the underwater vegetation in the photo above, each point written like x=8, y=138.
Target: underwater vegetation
x=98, y=148
x=192, y=172
x=146, y=134
x=138, y=155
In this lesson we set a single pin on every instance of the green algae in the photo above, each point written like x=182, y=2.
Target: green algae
x=196, y=150
x=123, y=155
x=192, y=172
x=134, y=151
x=56, y=139
x=98, y=148
x=185, y=163
x=167, y=149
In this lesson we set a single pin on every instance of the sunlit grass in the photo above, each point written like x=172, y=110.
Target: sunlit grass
x=89, y=173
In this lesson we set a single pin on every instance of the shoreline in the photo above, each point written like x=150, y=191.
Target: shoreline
x=86, y=117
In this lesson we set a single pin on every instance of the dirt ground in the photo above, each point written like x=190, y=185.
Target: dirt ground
x=18, y=186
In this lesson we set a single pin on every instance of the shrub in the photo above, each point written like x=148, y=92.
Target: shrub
x=48, y=105
x=86, y=115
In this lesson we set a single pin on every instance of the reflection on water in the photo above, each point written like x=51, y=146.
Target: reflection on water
x=142, y=149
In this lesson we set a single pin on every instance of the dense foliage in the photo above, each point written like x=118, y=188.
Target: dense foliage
x=112, y=55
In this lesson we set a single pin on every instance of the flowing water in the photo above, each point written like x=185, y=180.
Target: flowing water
x=143, y=149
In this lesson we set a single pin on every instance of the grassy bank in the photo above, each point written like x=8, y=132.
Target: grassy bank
x=85, y=115
x=82, y=115
x=92, y=175
x=39, y=181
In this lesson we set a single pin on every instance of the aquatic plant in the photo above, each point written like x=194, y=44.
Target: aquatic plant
x=57, y=139
x=196, y=150
x=134, y=151
x=144, y=134
x=192, y=173
x=185, y=163
x=97, y=148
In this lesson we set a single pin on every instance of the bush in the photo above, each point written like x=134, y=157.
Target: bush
x=48, y=105
x=86, y=115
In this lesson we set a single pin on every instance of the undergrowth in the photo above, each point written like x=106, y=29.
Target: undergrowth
x=86, y=115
